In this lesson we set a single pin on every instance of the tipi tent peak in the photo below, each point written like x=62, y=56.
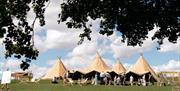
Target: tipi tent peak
x=58, y=70
x=98, y=65
x=118, y=68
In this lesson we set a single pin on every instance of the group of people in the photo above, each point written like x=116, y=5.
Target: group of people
x=106, y=79
x=144, y=82
x=55, y=80
x=120, y=80
x=102, y=78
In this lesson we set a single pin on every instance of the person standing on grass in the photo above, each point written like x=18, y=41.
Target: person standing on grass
x=131, y=80
x=66, y=77
x=115, y=80
x=124, y=79
x=102, y=75
x=96, y=79
x=6, y=79
x=149, y=79
x=105, y=80
x=144, y=80
x=118, y=80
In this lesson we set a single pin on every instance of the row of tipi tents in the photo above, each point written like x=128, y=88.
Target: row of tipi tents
x=140, y=68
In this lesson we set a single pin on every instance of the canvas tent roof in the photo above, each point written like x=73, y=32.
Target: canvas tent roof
x=97, y=65
x=118, y=68
x=141, y=67
x=57, y=70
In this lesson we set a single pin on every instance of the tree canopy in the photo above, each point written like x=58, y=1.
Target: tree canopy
x=132, y=18
x=16, y=31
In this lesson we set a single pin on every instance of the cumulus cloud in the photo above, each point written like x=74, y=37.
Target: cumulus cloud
x=57, y=39
x=171, y=66
x=51, y=16
x=170, y=47
x=84, y=49
x=81, y=55
x=76, y=62
x=122, y=50
x=55, y=35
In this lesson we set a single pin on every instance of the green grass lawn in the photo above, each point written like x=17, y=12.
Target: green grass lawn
x=47, y=86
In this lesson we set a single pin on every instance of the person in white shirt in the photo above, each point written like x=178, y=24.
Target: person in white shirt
x=118, y=80
x=143, y=80
x=115, y=80
x=131, y=80
x=96, y=79
x=102, y=75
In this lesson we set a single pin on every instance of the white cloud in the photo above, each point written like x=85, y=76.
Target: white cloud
x=171, y=66
x=81, y=55
x=76, y=62
x=84, y=49
x=121, y=50
x=57, y=39
x=170, y=47
x=51, y=16
x=57, y=35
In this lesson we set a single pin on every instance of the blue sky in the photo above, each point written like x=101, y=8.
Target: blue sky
x=56, y=40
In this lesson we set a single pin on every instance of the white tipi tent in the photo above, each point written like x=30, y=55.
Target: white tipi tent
x=58, y=70
x=118, y=68
x=97, y=65
x=141, y=67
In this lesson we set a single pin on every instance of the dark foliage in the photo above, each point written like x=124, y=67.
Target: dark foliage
x=18, y=36
x=132, y=18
